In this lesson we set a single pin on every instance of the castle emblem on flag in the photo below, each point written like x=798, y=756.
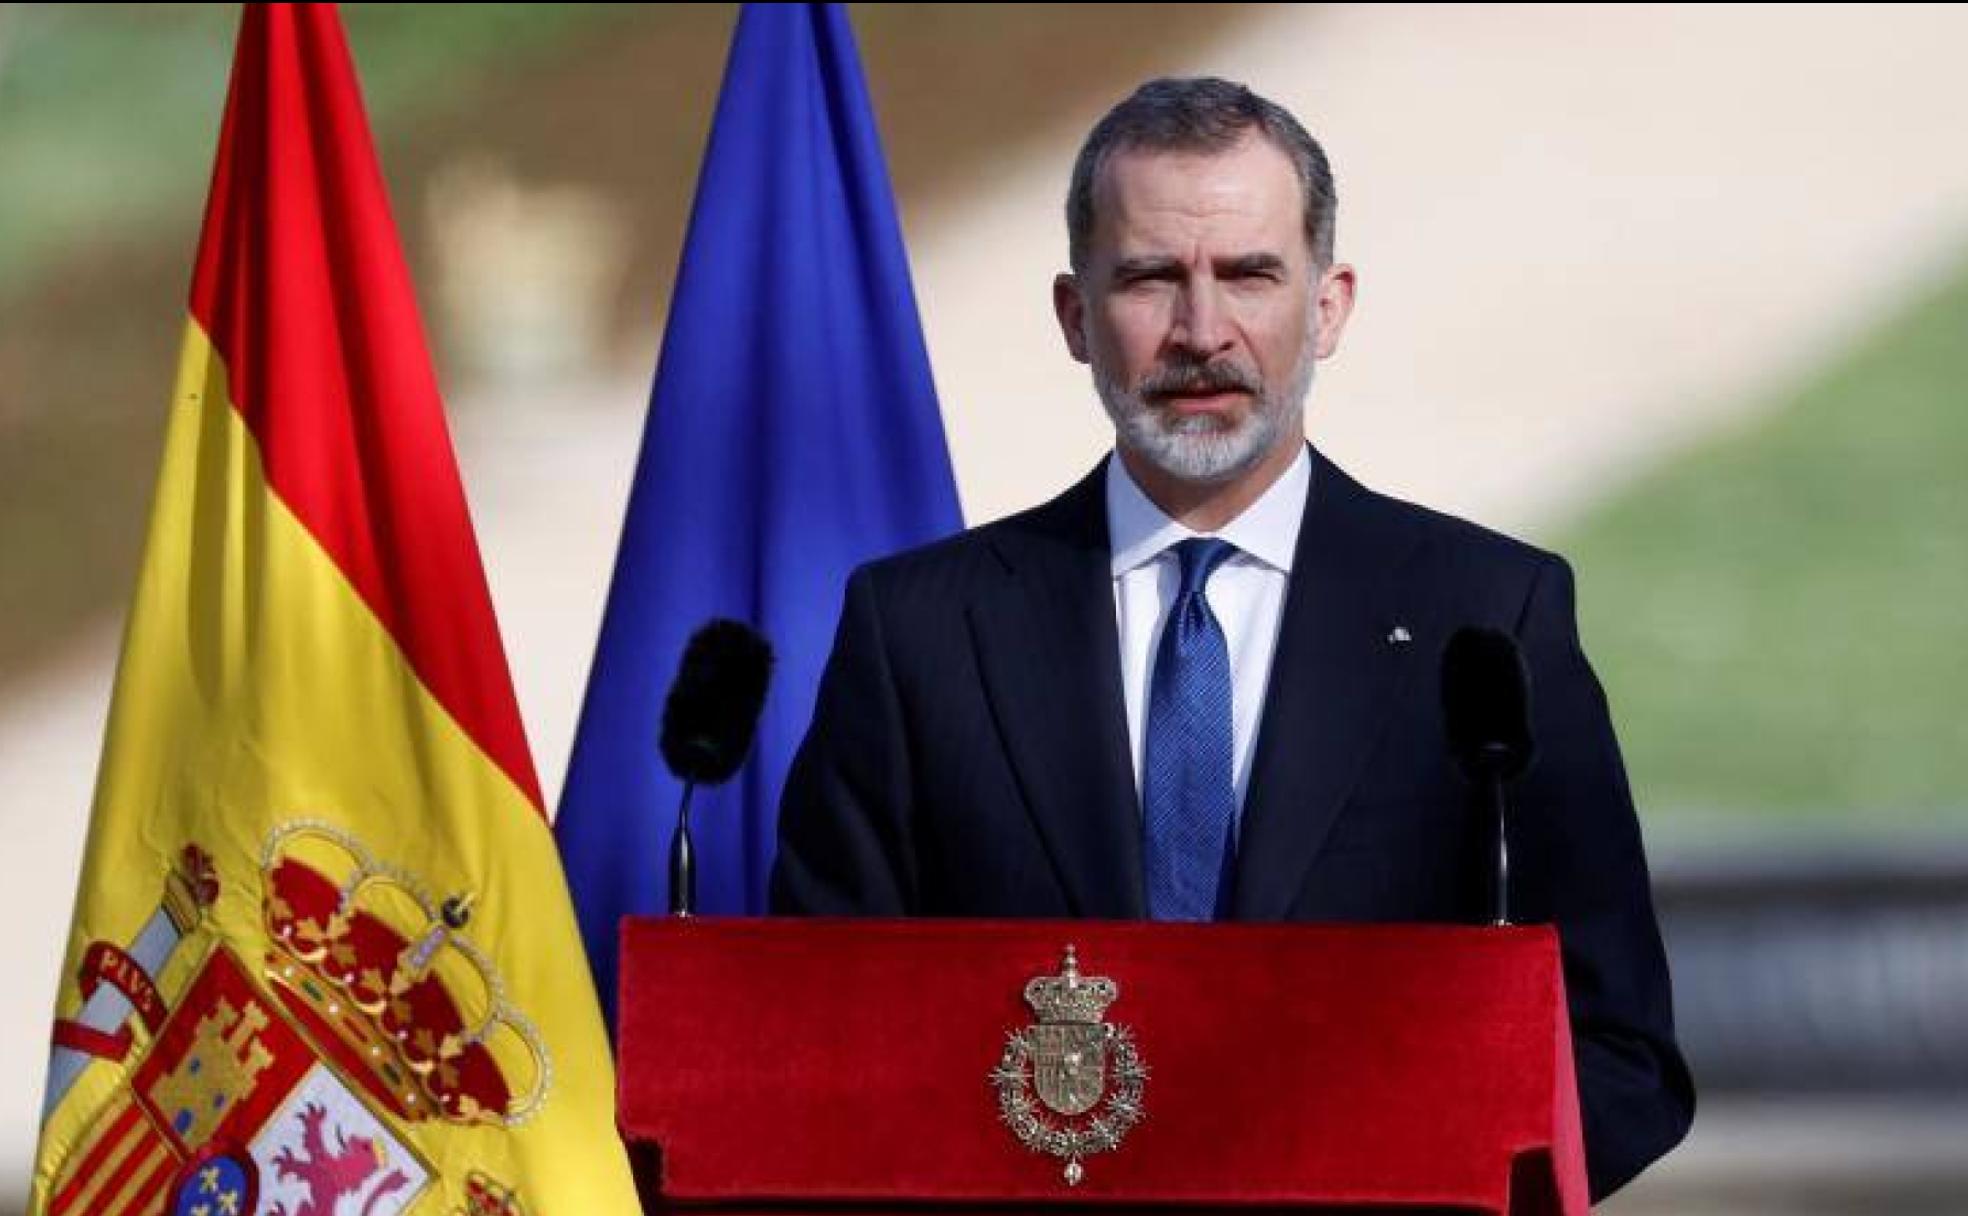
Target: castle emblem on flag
x=1070, y=1086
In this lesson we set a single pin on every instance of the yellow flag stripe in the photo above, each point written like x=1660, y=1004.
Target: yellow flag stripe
x=104, y=1161
x=152, y=1169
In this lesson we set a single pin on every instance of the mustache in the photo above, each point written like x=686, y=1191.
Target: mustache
x=1200, y=378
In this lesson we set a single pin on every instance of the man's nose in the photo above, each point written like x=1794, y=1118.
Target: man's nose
x=1201, y=325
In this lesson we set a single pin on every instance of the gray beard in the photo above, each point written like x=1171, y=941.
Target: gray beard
x=1203, y=450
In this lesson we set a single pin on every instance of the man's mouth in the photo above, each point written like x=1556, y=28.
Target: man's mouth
x=1201, y=400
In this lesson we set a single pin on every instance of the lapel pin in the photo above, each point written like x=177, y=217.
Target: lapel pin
x=1400, y=636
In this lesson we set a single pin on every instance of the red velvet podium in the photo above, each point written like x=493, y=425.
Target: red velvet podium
x=811, y=1065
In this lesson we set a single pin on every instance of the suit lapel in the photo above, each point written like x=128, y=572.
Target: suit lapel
x=1334, y=678
x=1050, y=658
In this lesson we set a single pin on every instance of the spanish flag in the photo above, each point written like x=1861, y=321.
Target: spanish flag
x=323, y=959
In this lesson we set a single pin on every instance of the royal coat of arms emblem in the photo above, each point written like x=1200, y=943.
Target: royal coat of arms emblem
x=1070, y=1086
x=296, y=1087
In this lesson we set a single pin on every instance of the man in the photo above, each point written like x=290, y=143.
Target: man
x=1203, y=683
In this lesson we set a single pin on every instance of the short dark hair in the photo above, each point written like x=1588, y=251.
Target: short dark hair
x=1200, y=114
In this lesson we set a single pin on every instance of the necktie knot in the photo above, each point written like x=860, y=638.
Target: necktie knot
x=1200, y=556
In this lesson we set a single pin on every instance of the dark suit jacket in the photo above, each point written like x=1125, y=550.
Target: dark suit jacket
x=969, y=757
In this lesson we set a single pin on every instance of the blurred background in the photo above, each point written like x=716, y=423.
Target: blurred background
x=1679, y=291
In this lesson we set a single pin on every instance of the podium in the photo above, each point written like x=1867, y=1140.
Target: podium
x=870, y=1065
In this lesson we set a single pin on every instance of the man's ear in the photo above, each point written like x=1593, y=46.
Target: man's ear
x=1333, y=305
x=1069, y=305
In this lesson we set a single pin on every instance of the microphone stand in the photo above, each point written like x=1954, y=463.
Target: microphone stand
x=683, y=860
x=1494, y=759
x=1500, y=889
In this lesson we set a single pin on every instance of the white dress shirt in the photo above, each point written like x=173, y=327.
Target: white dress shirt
x=1246, y=594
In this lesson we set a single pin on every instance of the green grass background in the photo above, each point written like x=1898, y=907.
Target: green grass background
x=1781, y=614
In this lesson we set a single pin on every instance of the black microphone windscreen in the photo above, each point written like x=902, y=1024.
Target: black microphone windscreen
x=713, y=707
x=1486, y=703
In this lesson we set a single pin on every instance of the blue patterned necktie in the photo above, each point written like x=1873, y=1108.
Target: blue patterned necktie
x=1189, y=804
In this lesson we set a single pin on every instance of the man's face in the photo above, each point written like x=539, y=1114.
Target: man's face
x=1200, y=309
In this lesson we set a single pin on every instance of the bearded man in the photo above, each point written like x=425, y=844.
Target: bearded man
x=1202, y=683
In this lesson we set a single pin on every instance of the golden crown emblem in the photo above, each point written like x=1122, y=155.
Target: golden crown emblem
x=486, y=1196
x=1070, y=997
x=390, y=986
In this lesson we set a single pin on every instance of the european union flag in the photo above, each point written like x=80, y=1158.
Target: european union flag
x=793, y=433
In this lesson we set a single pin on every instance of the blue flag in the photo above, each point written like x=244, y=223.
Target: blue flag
x=793, y=433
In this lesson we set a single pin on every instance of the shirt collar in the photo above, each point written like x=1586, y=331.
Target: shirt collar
x=1267, y=530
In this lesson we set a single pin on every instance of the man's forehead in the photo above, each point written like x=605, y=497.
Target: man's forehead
x=1145, y=194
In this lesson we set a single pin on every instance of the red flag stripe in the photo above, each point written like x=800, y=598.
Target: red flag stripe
x=102, y=1153
x=327, y=363
x=118, y=1130
x=147, y=1196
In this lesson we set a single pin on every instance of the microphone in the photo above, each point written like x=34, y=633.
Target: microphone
x=1486, y=703
x=1486, y=711
x=709, y=719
